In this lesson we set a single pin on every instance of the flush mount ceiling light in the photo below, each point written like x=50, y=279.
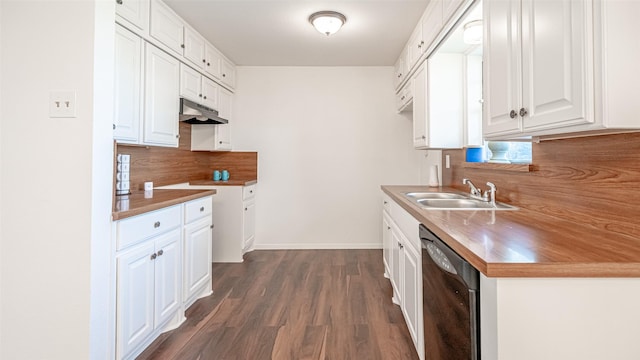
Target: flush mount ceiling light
x=327, y=22
x=472, y=32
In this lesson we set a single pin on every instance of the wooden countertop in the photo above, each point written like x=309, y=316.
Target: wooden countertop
x=136, y=204
x=223, y=183
x=525, y=243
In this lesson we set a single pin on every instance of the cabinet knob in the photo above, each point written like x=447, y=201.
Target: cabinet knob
x=204, y=60
x=200, y=95
x=385, y=202
x=388, y=227
x=154, y=256
x=114, y=126
x=119, y=2
x=156, y=224
x=211, y=227
x=250, y=191
x=523, y=112
x=220, y=142
x=513, y=114
x=208, y=64
x=201, y=208
x=160, y=252
x=182, y=46
x=245, y=209
x=205, y=97
x=424, y=137
x=224, y=75
x=177, y=136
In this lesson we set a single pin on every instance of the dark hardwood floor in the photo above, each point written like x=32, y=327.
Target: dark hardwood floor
x=293, y=304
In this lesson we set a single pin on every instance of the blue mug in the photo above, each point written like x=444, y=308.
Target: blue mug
x=216, y=175
x=225, y=175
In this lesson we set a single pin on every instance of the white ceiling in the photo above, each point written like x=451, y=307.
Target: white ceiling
x=278, y=33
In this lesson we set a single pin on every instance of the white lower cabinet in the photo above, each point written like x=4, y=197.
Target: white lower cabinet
x=234, y=228
x=148, y=293
x=402, y=254
x=198, y=233
x=163, y=264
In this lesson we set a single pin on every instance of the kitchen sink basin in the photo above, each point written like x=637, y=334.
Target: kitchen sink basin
x=433, y=195
x=453, y=201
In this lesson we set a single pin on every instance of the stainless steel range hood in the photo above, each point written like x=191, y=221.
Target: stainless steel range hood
x=193, y=113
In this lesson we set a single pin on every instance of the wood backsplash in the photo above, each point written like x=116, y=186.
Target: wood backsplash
x=165, y=166
x=591, y=181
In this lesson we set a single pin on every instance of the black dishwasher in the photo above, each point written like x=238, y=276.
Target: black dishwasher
x=451, y=302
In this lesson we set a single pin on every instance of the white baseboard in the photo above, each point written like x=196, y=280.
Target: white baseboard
x=305, y=246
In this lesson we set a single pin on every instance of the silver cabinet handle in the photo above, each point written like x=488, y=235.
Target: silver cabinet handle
x=160, y=252
x=154, y=256
x=513, y=114
x=201, y=208
x=156, y=224
x=523, y=112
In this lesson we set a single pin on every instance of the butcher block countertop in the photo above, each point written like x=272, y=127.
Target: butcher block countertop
x=136, y=203
x=524, y=243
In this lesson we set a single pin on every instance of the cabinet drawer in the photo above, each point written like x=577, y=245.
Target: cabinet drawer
x=386, y=203
x=135, y=229
x=197, y=209
x=248, y=192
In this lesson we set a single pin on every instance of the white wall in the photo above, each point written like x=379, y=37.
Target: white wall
x=327, y=138
x=48, y=180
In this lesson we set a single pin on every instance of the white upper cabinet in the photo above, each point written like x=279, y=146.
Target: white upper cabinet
x=400, y=69
x=213, y=65
x=544, y=73
x=228, y=74
x=198, y=88
x=167, y=27
x=545, y=85
x=414, y=47
x=431, y=24
x=133, y=12
x=210, y=94
x=128, y=86
x=438, y=103
x=162, y=98
x=194, y=48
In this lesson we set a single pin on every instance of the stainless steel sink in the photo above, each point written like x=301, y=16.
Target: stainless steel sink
x=453, y=201
x=434, y=195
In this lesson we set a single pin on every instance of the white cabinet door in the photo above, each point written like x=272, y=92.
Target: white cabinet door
x=223, y=131
x=194, y=47
x=162, y=91
x=249, y=225
x=399, y=70
x=197, y=256
x=228, y=76
x=135, y=297
x=555, y=61
x=415, y=47
x=411, y=298
x=387, y=247
x=214, y=61
x=168, y=276
x=502, y=62
x=420, y=108
x=167, y=27
x=135, y=12
x=190, y=84
x=210, y=92
x=127, y=86
x=397, y=260
x=432, y=23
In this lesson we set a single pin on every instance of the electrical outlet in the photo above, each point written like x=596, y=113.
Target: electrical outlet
x=447, y=161
x=62, y=104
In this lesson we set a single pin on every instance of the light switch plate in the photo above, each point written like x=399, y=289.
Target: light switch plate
x=62, y=104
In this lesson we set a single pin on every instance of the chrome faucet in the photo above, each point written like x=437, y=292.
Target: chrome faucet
x=475, y=193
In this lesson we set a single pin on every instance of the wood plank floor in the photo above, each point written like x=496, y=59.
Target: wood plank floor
x=293, y=304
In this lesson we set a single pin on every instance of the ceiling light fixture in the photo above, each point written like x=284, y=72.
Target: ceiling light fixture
x=472, y=32
x=327, y=22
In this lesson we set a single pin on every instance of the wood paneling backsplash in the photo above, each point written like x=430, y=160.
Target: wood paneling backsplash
x=166, y=166
x=591, y=181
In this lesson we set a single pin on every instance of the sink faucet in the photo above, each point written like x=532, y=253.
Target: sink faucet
x=475, y=193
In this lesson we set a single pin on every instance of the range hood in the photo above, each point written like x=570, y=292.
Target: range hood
x=193, y=113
